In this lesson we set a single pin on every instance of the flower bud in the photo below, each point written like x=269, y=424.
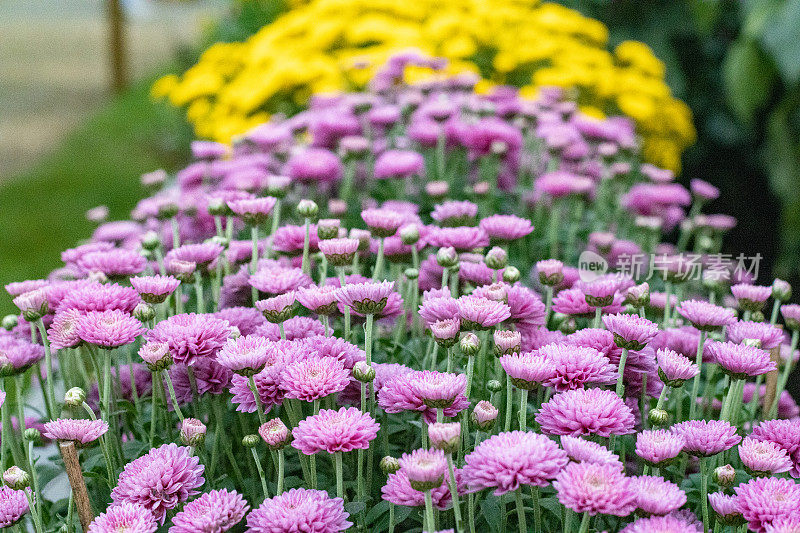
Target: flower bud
x=183, y=270
x=16, y=478
x=724, y=476
x=275, y=433
x=447, y=257
x=33, y=435
x=781, y=290
x=144, y=312
x=757, y=316
x=193, y=432
x=156, y=356
x=511, y=274
x=445, y=332
x=411, y=273
x=506, y=342
x=551, y=272
x=496, y=258
x=363, y=372
x=470, y=344
x=481, y=188
x=33, y=304
x=10, y=322
x=307, y=209
x=437, y=189
x=75, y=397
x=755, y=343
x=445, y=436
x=484, y=415
x=389, y=465
x=278, y=186
x=658, y=417
x=250, y=441
x=409, y=235
x=151, y=240
x=567, y=325
x=217, y=207
x=493, y=386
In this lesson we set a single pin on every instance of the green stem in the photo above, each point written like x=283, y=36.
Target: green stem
x=276, y=217
x=306, y=245
x=172, y=396
x=378, y=272
x=343, y=282
x=454, y=493
x=153, y=410
x=430, y=527
x=598, y=311
x=537, y=509
x=523, y=409
x=698, y=360
x=259, y=406
x=523, y=526
x=704, y=492
x=337, y=459
x=623, y=358
x=198, y=291
x=584, y=523
x=260, y=473
x=281, y=468
x=509, y=403
x=48, y=365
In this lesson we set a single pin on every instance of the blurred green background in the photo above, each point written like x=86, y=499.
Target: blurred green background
x=66, y=145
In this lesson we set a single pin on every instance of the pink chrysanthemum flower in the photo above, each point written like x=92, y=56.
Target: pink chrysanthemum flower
x=726, y=508
x=551, y=271
x=784, y=433
x=601, y=292
x=314, y=378
x=366, y=298
x=397, y=395
x=124, y=518
x=601, y=340
x=506, y=227
x=528, y=370
x=171, y=468
x=740, y=360
x=108, y=329
x=663, y=524
x=319, y=300
x=659, y=447
x=296, y=328
x=278, y=308
x=201, y=254
x=435, y=307
x=462, y=238
x=791, y=315
x=479, y=313
x=656, y=496
x=438, y=390
x=751, y=297
x=335, y=431
x=630, y=331
x=455, y=213
x=216, y=512
x=99, y=297
x=595, y=488
x=246, y=319
x=399, y=164
x=784, y=524
x=335, y=347
x=582, y=450
x=572, y=302
x=763, y=458
x=507, y=460
x=191, y=336
x=63, y=332
x=33, y=304
x=425, y=468
x=13, y=506
x=398, y=490
x=253, y=211
x=16, y=354
x=245, y=355
x=80, y=431
x=117, y=263
x=764, y=500
x=155, y=289
x=705, y=316
x=289, y=240
x=674, y=368
x=768, y=335
x=446, y=331
x=586, y=412
x=299, y=510
x=16, y=288
x=575, y=366
x=705, y=438
x=339, y=252
x=527, y=308
x=278, y=280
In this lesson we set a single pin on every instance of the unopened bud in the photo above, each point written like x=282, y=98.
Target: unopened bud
x=496, y=258
x=724, y=476
x=363, y=372
x=409, y=235
x=411, y=273
x=10, y=322
x=193, y=432
x=447, y=257
x=484, y=415
x=389, y=465
x=307, y=209
x=781, y=290
x=493, y=386
x=33, y=435
x=16, y=478
x=144, y=312
x=470, y=344
x=151, y=240
x=328, y=228
x=445, y=436
x=658, y=417
x=511, y=274
x=75, y=397
x=275, y=433
x=250, y=441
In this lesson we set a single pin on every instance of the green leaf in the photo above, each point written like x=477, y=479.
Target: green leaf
x=781, y=38
x=552, y=505
x=354, y=507
x=748, y=77
x=490, y=507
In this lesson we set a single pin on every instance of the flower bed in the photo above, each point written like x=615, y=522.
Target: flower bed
x=413, y=306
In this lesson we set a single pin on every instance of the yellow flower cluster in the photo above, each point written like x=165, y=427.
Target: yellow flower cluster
x=333, y=45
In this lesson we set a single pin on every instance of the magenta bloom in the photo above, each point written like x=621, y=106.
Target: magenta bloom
x=740, y=360
x=763, y=458
x=108, y=329
x=296, y=328
x=784, y=524
x=705, y=438
x=726, y=507
x=80, y=431
x=169, y=467
x=668, y=524
x=278, y=280
x=581, y=450
x=63, y=332
x=366, y=298
x=398, y=164
x=462, y=238
x=751, y=297
x=334, y=347
x=705, y=316
x=507, y=460
x=784, y=433
x=659, y=446
x=527, y=370
x=764, y=500
x=114, y=263
x=791, y=315
x=319, y=300
x=191, y=336
x=584, y=412
x=425, y=468
x=479, y=313
x=656, y=496
x=314, y=378
x=438, y=390
x=674, y=368
x=216, y=511
x=575, y=366
x=16, y=354
x=32, y=304
x=96, y=297
x=596, y=489
x=435, y=308
x=155, y=289
x=13, y=506
x=246, y=319
x=314, y=165
x=397, y=394
x=201, y=254
x=383, y=222
x=253, y=211
x=506, y=227
x=245, y=355
x=335, y=431
x=630, y=331
x=398, y=490
x=768, y=335
x=279, y=308
x=339, y=252
x=601, y=292
x=299, y=510
x=124, y=518
x=454, y=213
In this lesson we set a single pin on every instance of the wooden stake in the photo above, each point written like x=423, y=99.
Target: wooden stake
x=118, y=56
x=70, y=455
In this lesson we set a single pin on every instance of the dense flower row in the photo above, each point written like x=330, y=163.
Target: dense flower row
x=335, y=45
x=390, y=349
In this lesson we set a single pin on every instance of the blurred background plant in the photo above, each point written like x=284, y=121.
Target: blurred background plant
x=736, y=63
